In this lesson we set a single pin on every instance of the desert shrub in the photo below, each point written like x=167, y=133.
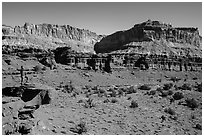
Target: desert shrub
x=102, y=92
x=198, y=87
x=44, y=68
x=37, y=68
x=185, y=87
x=159, y=89
x=169, y=111
x=89, y=103
x=106, y=100
x=198, y=126
x=121, y=92
x=175, y=79
x=131, y=89
x=167, y=86
x=113, y=92
x=166, y=93
x=79, y=128
x=170, y=92
x=195, y=78
x=174, y=117
x=176, y=87
x=192, y=116
x=129, y=98
x=114, y=100
x=151, y=92
x=178, y=96
x=144, y=87
x=68, y=88
x=8, y=61
x=133, y=104
x=171, y=100
x=191, y=103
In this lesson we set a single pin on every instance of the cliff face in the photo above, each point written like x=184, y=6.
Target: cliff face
x=48, y=36
x=152, y=33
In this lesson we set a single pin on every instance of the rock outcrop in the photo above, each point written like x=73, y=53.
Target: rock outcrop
x=19, y=104
x=154, y=34
x=49, y=36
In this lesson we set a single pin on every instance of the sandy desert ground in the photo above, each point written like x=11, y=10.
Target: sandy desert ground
x=124, y=102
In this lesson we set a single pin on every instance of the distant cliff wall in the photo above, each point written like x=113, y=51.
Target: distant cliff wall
x=147, y=32
x=50, y=36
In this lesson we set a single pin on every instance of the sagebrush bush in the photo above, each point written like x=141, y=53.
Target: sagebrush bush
x=113, y=92
x=198, y=87
x=79, y=128
x=191, y=103
x=37, y=68
x=131, y=90
x=68, y=88
x=133, y=104
x=114, y=100
x=106, y=100
x=169, y=111
x=121, y=92
x=178, y=96
x=198, y=126
x=167, y=86
x=144, y=87
x=175, y=79
x=152, y=92
x=89, y=103
x=185, y=87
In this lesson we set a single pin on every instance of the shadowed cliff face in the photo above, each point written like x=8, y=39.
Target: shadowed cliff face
x=48, y=36
x=151, y=32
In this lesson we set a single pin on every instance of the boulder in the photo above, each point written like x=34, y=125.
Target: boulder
x=38, y=94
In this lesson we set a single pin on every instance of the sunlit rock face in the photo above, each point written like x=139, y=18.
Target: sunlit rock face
x=49, y=36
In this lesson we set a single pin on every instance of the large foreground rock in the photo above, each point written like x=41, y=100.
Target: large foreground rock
x=17, y=109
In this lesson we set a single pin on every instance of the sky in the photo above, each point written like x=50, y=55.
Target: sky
x=103, y=18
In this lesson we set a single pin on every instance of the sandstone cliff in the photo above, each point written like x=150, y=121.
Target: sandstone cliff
x=153, y=37
x=48, y=36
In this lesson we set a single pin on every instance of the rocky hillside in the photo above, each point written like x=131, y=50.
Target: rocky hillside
x=153, y=37
x=48, y=36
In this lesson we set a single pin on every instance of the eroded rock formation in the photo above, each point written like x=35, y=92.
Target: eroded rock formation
x=153, y=32
x=49, y=36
